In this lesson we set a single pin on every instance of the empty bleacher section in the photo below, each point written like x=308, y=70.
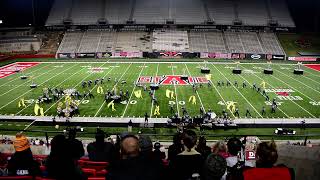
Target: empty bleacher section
x=118, y=12
x=59, y=12
x=151, y=11
x=207, y=42
x=19, y=44
x=271, y=44
x=221, y=11
x=70, y=42
x=279, y=12
x=251, y=43
x=252, y=12
x=233, y=42
x=89, y=42
x=170, y=40
x=86, y=12
x=216, y=43
x=189, y=12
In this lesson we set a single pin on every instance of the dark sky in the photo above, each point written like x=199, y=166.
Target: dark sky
x=19, y=12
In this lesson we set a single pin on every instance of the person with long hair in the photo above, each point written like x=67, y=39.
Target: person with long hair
x=189, y=162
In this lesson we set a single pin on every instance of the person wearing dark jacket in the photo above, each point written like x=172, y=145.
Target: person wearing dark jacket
x=60, y=164
x=189, y=162
x=131, y=165
x=101, y=150
x=202, y=147
x=157, y=153
x=176, y=148
x=76, y=146
x=22, y=162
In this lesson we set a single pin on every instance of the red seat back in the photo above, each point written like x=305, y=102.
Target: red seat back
x=89, y=172
x=16, y=177
x=277, y=173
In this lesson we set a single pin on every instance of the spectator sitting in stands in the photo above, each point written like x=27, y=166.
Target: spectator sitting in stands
x=101, y=150
x=60, y=164
x=220, y=148
x=177, y=146
x=131, y=165
x=22, y=162
x=189, y=162
x=266, y=157
x=202, y=147
x=214, y=167
x=76, y=146
x=234, y=147
x=158, y=154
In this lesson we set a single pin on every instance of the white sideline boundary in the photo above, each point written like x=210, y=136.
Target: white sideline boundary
x=116, y=120
x=148, y=62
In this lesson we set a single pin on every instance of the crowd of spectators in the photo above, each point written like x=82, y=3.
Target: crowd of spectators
x=137, y=158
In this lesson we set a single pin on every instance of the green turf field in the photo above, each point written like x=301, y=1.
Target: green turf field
x=302, y=100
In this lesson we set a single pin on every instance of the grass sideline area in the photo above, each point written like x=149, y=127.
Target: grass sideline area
x=162, y=134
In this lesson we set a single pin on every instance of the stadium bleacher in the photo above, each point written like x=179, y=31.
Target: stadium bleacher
x=221, y=12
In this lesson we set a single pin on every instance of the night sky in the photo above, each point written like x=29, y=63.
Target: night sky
x=19, y=13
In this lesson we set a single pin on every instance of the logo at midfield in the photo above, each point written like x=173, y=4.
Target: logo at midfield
x=172, y=79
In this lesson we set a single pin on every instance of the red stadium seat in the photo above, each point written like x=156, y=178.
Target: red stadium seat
x=94, y=165
x=89, y=172
x=102, y=173
x=96, y=178
x=16, y=177
x=84, y=158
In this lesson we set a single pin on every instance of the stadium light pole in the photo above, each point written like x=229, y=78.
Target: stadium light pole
x=33, y=14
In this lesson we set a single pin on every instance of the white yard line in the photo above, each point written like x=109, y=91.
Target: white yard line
x=79, y=84
x=299, y=81
x=56, y=86
x=125, y=109
x=154, y=92
x=290, y=100
x=95, y=115
x=175, y=91
x=312, y=70
x=28, y=81
x=152, y=62
x=19, y=76
x=197, y=90
x=239, y=92
x=224, y=101
x=269, y=99
x=31, y=89
x=62, y=97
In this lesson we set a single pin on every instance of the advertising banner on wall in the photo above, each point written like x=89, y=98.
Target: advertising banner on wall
x=255, y=56
x=215, y=55
x=86, y=55
x=119, y=55
x=170, y=54
x=302, y=58
x=238, y=56
x=275, y=57
x=66, y=55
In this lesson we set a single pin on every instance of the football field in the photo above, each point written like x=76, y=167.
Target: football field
x=296, y=95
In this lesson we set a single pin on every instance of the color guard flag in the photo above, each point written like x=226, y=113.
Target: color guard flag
x=263, y=84
x=193, y=99
x=208, y=76
x=41, y=112
x=100, y=90
x=157, y=111
x=36, y=109
x=138, y=94
x=168, y=93
x=21, y=103
x=231, y=106
x=112, y=105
